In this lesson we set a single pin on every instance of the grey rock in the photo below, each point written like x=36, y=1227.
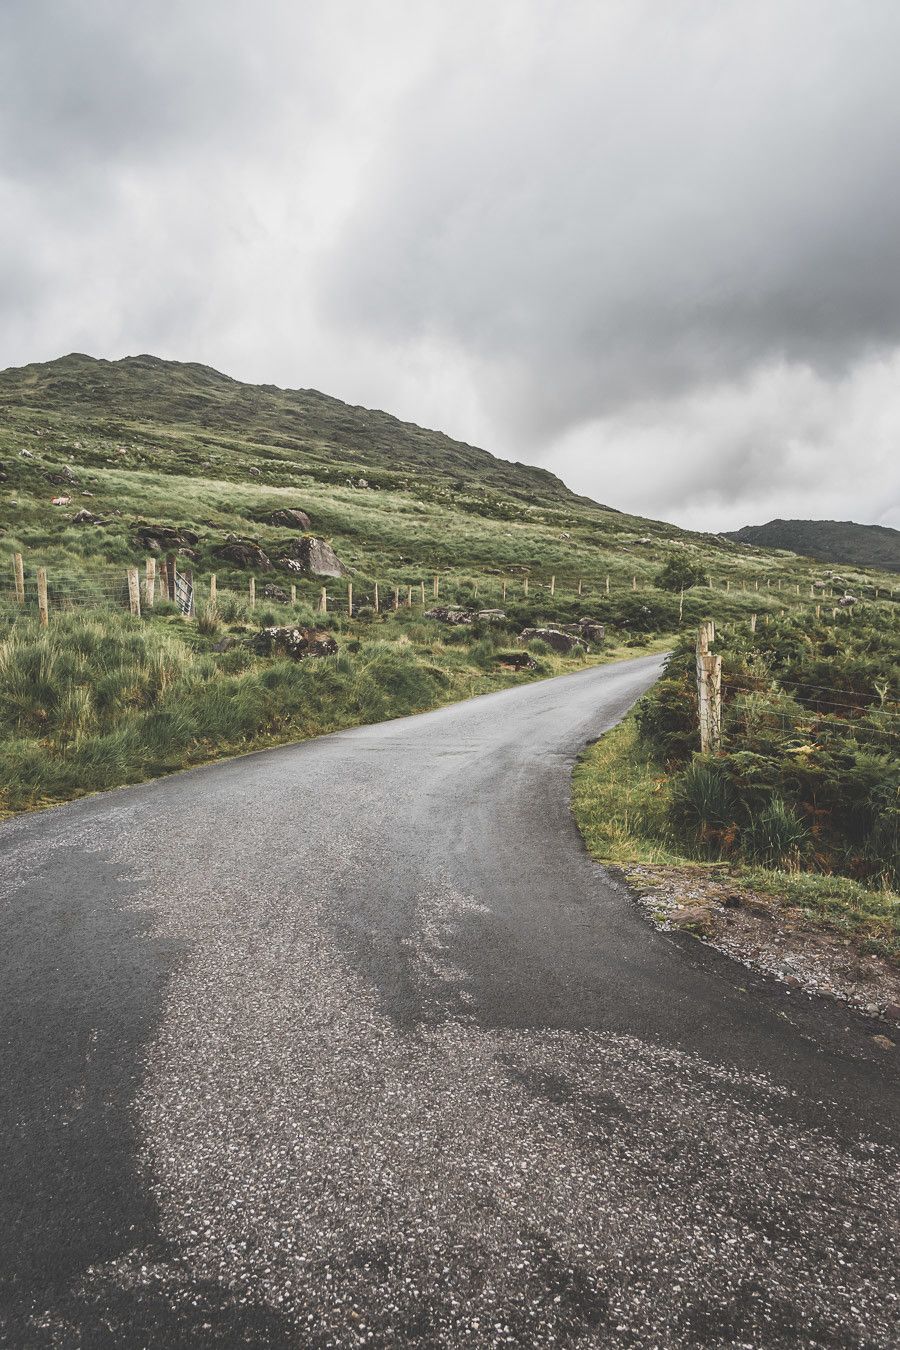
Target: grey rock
x=243, y=553
x=276, y=593
x=296, y=643
x=555, y=639
x=291, y=517
x=315, y=556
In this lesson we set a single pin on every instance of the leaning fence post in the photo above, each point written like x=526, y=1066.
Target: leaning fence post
x=19, y=567
x=43, y=607
x=134, y=592
x=149, y=582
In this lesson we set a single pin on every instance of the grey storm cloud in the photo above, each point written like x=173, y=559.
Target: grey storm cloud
x=653, y=246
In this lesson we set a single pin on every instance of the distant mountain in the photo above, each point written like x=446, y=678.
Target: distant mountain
x=834, y=541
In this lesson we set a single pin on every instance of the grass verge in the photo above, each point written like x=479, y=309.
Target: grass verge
x=100, y=700
x=621, y=799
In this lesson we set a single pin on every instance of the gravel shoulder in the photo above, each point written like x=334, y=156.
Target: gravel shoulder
x=770, y=936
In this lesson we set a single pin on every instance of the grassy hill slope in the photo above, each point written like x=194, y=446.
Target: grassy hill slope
x=834, y=541
x=142, y=439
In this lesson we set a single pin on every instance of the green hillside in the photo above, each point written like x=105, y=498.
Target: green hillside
x=141, y=441
x=833, y=541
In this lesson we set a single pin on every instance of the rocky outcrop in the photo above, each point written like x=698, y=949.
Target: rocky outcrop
x=243, y=553
x=450, y=614
x=456, y=614
x=276, y=593
x=291, y=517
x=592, y=630
x=296, y=643
x=517, y=661
x=315, y=556
x=555, y=639
x=164, y=538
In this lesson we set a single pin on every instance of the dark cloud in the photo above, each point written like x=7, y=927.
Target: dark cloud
x=656, y=247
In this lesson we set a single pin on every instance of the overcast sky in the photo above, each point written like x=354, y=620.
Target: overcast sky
x=654, y=246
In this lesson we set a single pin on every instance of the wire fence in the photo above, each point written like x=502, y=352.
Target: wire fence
x=159, y=580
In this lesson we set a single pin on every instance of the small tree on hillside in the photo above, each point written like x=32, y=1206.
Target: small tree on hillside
x=679, y=573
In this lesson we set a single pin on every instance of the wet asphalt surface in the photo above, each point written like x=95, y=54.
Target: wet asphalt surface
x=350, y=1043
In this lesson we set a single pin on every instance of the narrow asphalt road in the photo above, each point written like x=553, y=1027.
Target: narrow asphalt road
x=350, y=1043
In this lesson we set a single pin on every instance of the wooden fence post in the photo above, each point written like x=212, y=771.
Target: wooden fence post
x=553, y=585
x=634, y=583
x=19, y=567
x=681, y=605
x=253, y=592
x=709, y=692
x=436, y=588
x=149, y=582
x=396, y=597
x=294, y=593
x=349, y=599
x=134, y=592
x=43, y=607
x=526, y=585
x=818, y=611
x=504, y=588
x=213, y=591
x=752, y=623
x=422, y=585
x=170, y=575
x=409, y=597
x=375, y=604
x=323, y=601
x=607, y=585
x=191, y=598
x=579, y=585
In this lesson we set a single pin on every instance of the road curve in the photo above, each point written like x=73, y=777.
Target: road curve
x=350, y=1043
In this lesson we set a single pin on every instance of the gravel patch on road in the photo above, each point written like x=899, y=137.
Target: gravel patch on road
x=461, y=1186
